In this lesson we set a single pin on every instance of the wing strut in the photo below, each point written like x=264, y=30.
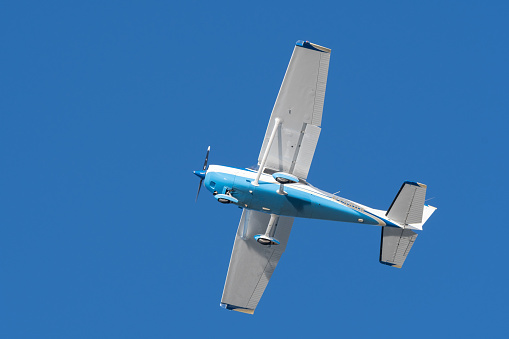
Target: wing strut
x=277, y=121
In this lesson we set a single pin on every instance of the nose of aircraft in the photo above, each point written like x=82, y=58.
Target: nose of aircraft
x=200, y=174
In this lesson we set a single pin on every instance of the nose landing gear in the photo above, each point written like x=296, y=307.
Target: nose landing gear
x=225, y=199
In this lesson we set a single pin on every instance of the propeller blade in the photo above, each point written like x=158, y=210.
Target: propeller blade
x=206, y=159
x=202, y=174
x=199, y=188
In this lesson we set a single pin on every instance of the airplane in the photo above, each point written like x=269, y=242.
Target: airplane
x=276, y=191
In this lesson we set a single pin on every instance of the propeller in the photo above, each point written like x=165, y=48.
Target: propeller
x=202, y=173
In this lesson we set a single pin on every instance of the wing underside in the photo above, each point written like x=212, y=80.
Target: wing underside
x=299, y=105
x=252, y=264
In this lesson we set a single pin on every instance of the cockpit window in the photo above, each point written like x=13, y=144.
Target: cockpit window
x=213, y=184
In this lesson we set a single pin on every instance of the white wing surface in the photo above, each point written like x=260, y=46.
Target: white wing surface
x=299, y=106
x=252, y=264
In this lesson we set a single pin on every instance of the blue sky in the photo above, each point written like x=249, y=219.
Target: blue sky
x=107, y=109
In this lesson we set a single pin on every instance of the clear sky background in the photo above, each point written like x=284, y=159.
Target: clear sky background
x=108, y=106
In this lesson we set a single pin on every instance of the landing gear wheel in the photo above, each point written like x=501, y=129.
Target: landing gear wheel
x=225, y=198
x=266, y=240
x=283, y=180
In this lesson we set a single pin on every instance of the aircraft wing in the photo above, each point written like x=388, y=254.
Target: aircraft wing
x=251, y=264
x=299, y=106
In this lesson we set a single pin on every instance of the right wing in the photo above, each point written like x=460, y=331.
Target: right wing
x=252, y=264
x=299, y=106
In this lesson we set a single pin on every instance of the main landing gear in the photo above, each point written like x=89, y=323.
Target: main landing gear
x=284, y=178
x=268, y=237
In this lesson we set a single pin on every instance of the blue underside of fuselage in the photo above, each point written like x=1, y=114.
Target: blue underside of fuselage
x=296, y=203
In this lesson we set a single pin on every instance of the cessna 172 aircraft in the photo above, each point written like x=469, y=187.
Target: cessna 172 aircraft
x=276, y=192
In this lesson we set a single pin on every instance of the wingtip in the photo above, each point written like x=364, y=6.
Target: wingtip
x=389, y=264
x=310, y=45
x=236, y=308
x=244, y=310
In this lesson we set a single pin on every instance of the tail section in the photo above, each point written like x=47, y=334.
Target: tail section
x=395, y=246
x=407, y=207
x=409, y=211
x=426, y=213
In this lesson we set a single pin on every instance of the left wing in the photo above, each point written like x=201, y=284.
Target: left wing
x=251, y=264
x=299, y=106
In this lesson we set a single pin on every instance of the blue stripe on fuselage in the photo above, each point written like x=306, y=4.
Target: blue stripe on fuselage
x=297, y=203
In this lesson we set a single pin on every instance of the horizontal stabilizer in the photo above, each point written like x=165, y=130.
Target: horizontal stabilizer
x=408, y=205
x=395, y=245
